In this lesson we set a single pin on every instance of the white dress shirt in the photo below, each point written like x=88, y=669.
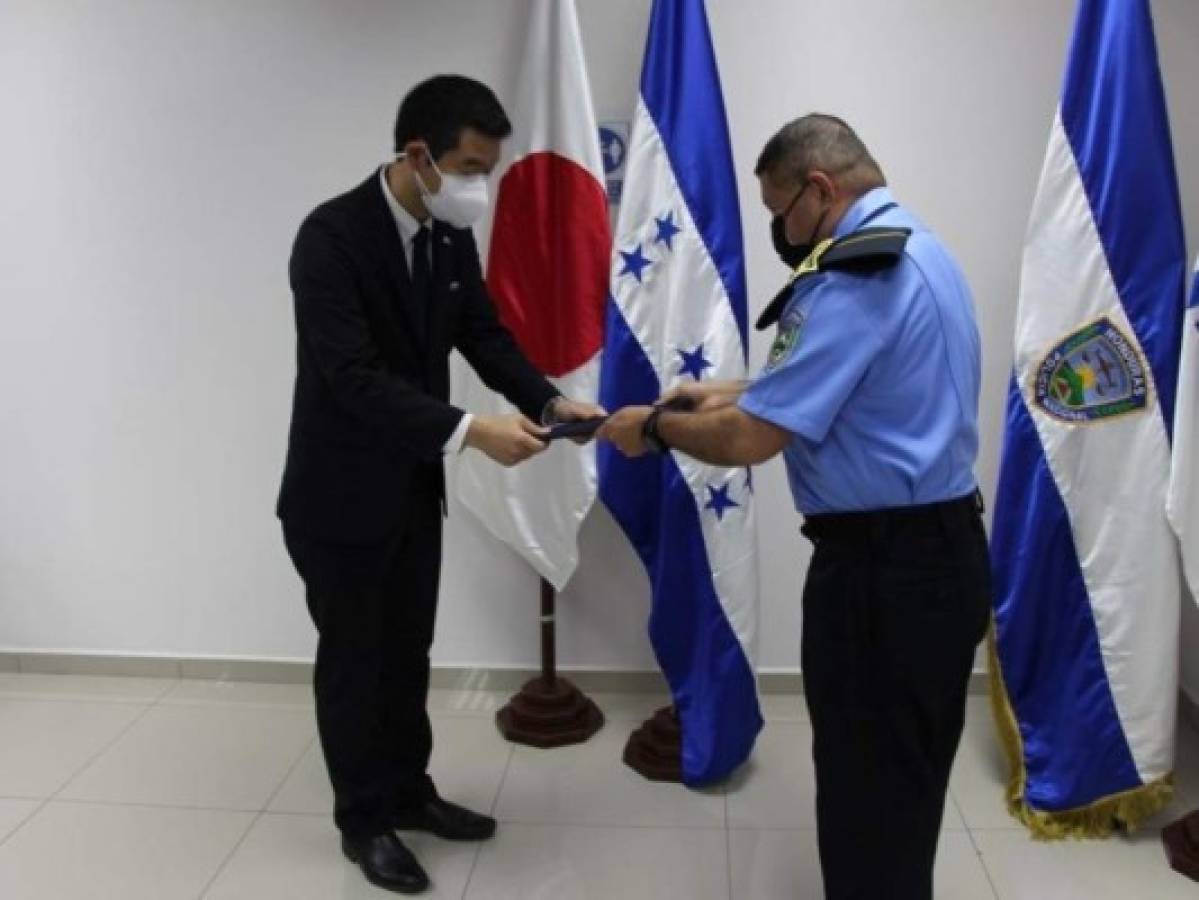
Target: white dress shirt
x=409, y=226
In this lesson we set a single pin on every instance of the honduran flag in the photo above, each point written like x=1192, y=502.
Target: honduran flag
x=1183, y=504
x=677, y=314
x=547, y=273
x=1086, y=569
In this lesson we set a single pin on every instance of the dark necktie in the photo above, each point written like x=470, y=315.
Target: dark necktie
x=422, y=277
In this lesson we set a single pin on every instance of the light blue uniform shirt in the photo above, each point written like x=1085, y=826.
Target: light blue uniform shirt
x=880, y=385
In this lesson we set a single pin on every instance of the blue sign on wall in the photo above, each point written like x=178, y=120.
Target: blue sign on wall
x=614, y=147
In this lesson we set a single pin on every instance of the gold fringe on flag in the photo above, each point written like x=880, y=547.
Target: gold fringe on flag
x=1123, y=812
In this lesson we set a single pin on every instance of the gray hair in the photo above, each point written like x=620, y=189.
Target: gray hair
x=819, y=141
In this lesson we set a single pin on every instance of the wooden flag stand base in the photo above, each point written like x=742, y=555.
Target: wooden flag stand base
x=1181, y=840
x=549, y=711
x=655, y=750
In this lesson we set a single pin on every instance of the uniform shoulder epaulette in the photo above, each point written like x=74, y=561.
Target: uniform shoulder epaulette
x=865, y=251
x=868, y=250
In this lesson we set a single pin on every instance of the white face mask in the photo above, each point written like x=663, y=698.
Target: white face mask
x=460, y=201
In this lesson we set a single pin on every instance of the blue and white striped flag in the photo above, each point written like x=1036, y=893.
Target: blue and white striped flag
x=677, y=313
x=1086, y=568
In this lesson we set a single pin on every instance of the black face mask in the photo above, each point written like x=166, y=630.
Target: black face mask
x=792, y=254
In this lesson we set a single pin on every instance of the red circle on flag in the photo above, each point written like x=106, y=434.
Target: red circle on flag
x=547, y=268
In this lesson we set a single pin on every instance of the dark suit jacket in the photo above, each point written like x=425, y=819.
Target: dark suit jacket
x=370, y=412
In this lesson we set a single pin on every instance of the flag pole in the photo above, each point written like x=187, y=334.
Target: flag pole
x=548, y=635
x=549, y=710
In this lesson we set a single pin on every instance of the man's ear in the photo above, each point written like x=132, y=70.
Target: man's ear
x=823, y=184
x=416, y=152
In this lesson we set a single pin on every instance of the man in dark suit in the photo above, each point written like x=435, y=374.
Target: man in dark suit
x=387, y=281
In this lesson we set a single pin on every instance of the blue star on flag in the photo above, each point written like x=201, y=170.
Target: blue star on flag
x=694, y=362
x=634, y=262
x=666, y=230
x=719, y=501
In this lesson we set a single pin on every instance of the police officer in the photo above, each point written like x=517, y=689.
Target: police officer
x=870, y=392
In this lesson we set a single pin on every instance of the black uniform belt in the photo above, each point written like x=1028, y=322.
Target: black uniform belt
x=872, y=524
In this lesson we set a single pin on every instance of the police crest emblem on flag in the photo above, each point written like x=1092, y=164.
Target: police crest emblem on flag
x=1095, y=373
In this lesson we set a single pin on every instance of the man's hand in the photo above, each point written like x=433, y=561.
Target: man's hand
x=562, y=409
x=506, y=439
x=623, y=429
x=705, y=396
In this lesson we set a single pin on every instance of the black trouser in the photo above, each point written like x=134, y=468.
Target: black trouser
x=374, y=608
x=894, y=605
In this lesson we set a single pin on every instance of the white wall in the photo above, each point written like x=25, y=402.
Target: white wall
x=157, y=158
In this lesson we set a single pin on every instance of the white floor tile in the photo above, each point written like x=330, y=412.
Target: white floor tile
x=469, y=759
x=13, y=813
x=575, y=821
x=47, y=741
x=978, y=708
x=767, y=864
x=239, y=693
x=979, y=777
x=772, y=863
x=132, y=853
x=629, y=708
x=959, y=873
x=83, y=687
x=951, y=819
x=210, y=757
x=777, y=787
x=289, y=857
x=1114, y=869
x=784, y=708
x=306, y=789
x=466, y=702
x=585, y=863
x=588, y=784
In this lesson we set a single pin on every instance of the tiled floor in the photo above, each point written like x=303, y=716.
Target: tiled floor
x=130, y=788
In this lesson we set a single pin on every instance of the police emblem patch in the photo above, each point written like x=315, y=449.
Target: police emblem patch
x=788, y=337
x=1095, y=373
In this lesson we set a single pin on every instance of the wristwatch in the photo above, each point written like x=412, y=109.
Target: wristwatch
x=549, y=412
x=649, y=432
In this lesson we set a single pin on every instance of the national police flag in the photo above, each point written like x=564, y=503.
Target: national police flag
x=677, y=313
x=1086, y=569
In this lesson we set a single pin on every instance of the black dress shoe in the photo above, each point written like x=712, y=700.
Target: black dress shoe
x=446, y=820
x=386, y=863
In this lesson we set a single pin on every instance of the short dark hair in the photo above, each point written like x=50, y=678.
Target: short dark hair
x=820, y=141
x=437, y=110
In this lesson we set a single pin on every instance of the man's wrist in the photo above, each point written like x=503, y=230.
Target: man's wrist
x=549, y=412
x=457, y=439
x=649, y=431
